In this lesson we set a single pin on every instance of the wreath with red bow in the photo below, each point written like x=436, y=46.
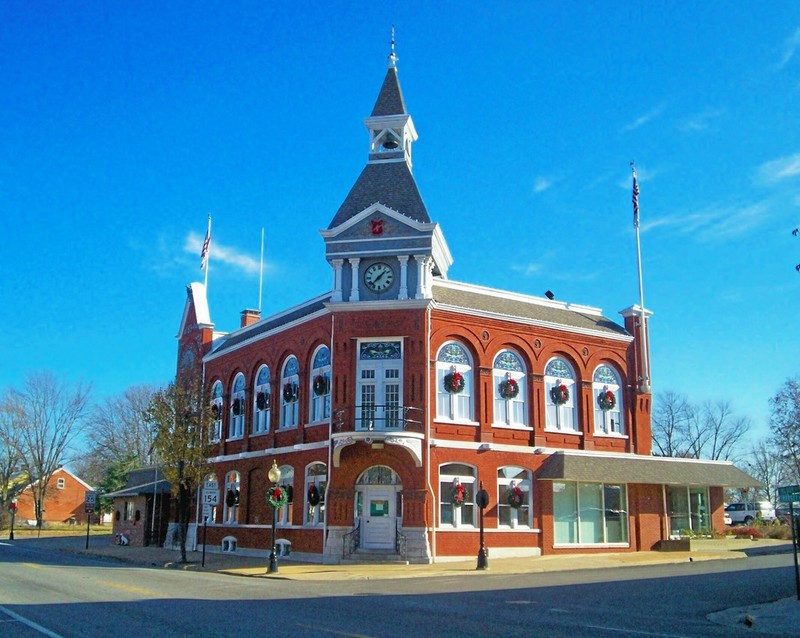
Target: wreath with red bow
x=313, y=495
x=237, y=407
x=215, y=411
x=320, y=385
x=559, y=394
x=262, y=400
x=454, y=382
x=458, y=494
x=515, y=497
x=509, y=388
x=290, y=392
x=277, y=496
x=606, y=400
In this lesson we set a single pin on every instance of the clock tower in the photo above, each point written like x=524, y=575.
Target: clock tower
x=381, y=244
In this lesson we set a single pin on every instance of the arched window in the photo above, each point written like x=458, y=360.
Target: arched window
x=216, y=411
x=454, y=383
x=290, y=393
x=559, y=388
x=231, y=510
x=510, y=389
x=514, y=497
x=315, y=486
x=263, y=400
x=287, y=481
x=607, y=401
x=320, y=390
x=457, y=485
x=236, y=427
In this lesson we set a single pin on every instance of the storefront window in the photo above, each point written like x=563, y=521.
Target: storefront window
x=589, y=513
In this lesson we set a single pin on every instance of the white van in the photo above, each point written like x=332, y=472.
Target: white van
x=750, y=511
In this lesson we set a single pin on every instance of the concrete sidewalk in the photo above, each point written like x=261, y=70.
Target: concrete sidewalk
x=256, y=566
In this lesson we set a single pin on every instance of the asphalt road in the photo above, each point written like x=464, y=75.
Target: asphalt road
x=64, y=596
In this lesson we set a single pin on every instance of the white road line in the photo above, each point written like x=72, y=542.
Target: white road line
x=620, y=630
x=30, y=623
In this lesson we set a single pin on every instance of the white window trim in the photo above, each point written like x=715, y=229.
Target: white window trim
x=472, y=482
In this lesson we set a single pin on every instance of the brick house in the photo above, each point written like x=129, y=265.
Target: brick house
x=390, y=400
x=64, y=499
x=141, y=510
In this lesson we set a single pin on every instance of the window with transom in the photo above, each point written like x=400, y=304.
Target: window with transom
x=262, y=401
x=315, y=485
x=321, y=385
x=514, y=494
x=290, y=393
x=454, y=383
x=379, y=396
x=216, y=412
x=457, y=485
x=236, y=423
x=607, y=401
x=559, y=386
x=510, y=389
x=230, y=512
x=287, y=481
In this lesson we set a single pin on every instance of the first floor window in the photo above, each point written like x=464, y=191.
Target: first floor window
x=231, y=509
x=688, y=510
x=316, y=484
x=589, y=513
x=457, y=483
x=513, y=497
x=287, y=481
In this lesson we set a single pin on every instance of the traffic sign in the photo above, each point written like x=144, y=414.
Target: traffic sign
x=210, y=493
x=90, y=501
x=789, y=494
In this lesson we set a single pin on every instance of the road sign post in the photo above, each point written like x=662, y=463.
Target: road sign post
x=90, y=501
x=13, y=508
x=791, y=494
x=210, y=500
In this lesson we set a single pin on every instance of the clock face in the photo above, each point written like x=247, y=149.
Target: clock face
x=378, y=277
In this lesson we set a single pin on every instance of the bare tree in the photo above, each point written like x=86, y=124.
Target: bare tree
x=716, y=431
x=119, y=434
x=182, y=421
x=10, y=460
x=672, y=414
x=52, y=414
x=785, y=426
x=768, y=467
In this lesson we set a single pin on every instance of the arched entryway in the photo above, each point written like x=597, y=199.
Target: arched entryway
x=379, y=507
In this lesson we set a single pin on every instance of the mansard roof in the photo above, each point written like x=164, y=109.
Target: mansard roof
x=555, y=314
x=390, y=99
x=390, y=184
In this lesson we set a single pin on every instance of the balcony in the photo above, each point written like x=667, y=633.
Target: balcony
x=378, y=425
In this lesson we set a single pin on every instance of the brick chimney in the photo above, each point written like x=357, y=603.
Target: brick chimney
x=249, y=317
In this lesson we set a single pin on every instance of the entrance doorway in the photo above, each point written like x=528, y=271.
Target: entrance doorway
x=379, y=507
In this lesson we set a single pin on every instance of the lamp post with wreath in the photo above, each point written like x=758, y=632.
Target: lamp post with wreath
x=277, y=498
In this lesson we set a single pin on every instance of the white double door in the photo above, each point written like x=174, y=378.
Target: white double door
x=379, y=517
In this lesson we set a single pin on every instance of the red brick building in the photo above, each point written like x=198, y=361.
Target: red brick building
x=64, y=501
x=388, y=401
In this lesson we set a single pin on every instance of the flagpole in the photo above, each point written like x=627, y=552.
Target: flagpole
x=208, y=251
x=261, y=271
x=645, y=378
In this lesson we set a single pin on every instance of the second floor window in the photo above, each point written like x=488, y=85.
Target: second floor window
x=290, y=393
x=236, y=427
x=321, y=385
x=510, y=389
x=263, y=400
x=559, y=386
x=454, y=383
x=216, y=412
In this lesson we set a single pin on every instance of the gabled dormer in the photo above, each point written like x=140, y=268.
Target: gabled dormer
x=381, y=243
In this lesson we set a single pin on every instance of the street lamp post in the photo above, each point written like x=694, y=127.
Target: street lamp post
x=274, y=476
x=13, y=516
x=482, y=501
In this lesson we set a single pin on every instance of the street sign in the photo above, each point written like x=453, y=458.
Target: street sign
x=789, y=494
x=90, y=501
x=206, y=512
x=210, y=493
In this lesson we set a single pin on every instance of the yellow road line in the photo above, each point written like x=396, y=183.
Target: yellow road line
x=130, y=588
x=33, y=565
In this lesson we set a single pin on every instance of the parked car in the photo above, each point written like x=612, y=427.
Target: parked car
x=782, y=512
x=749, y=512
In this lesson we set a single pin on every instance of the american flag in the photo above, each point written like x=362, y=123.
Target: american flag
x=635, y=200
x=206, y=246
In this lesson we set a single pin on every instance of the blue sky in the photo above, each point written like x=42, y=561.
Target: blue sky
x=125, y=124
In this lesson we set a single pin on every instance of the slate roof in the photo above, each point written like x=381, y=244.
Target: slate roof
x=647, y=470
x=308, y=308
x=391, y=184
x=390, y=99
x=484, y=300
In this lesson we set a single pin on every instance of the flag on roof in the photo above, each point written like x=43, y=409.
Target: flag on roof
x=206, y=246
x=635, y=200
